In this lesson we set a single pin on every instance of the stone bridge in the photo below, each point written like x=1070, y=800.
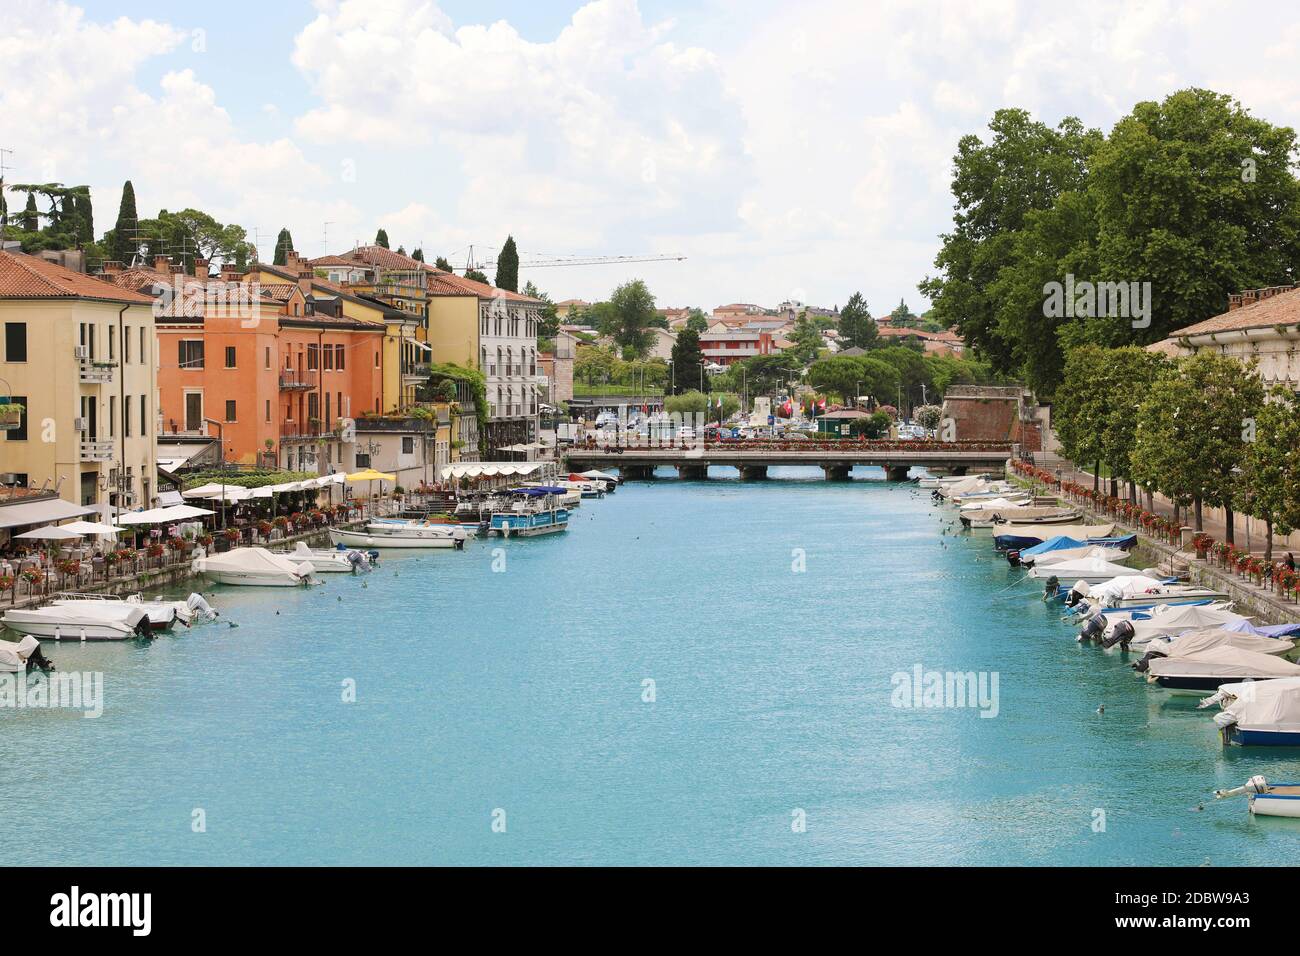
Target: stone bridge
x=753, y=462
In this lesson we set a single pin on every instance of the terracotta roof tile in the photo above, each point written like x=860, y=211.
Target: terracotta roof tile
x=27, y=277
x=1281, y=306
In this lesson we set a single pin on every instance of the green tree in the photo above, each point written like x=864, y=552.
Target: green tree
x=1025, y=166
x=594, y=364
x=1127, y=375
x=688, y=363
x=1192, y=428
x=381, y=238
x=633, y=308
x=849, y=377
x=192, y=232
x=1268, y=485
x=807, y=339
x=901, y=314
x=124, y=230
x=1081, y=409
x=857, y=327
x=508, y=266
x=697, y=321
x=442, y=265
x=31, y=220
x=283, y=246
x=928, y=416
x=477, y=276
x=548, y=323
x=694, y=401
x=417, y=254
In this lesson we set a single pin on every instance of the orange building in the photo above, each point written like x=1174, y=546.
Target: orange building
x=276, y=370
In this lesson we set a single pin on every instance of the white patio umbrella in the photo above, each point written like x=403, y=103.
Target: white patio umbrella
x=91, y=527
x=51, y=532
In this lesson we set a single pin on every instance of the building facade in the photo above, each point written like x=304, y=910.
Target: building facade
x=79, y=356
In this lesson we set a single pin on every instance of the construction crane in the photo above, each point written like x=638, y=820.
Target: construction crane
x=551, y=262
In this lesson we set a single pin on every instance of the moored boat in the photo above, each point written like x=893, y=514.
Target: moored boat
x=402, y=534
x=81, y=622
x=1264, y=713
x=532, y=512
x=328, y=560
x=1209, y=669
x=254, y=567
x=1267, y=799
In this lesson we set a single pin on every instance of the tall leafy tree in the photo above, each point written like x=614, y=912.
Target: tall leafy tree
x=1082, y=407
x=807, y=339
x=633, y=309
x=901, y=314
x=688, y=363
x=477, y=276
x=697, y=321
x=508, y=266
x=1127, y=375
x=1192, y=429
x=31, y=220
x=381, y=238
x=283, y=246
x=124, y=230
x=1025, y=166
x=1268, y=485
x=441, y=264
x=857, y=327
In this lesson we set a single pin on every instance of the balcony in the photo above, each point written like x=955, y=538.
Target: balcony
x=96, y=450
x=291, y=381
x=305, y=431
x=414, y=372
x=96, y=373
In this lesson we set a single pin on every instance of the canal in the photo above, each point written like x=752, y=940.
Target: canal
x=697, y=672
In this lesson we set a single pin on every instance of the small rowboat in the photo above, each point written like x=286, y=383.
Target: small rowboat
x=1267, y=799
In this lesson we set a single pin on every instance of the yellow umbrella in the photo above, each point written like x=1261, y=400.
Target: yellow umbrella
x=369, y=474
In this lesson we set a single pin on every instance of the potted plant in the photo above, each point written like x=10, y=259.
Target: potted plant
x=11, y=415
x=1202, y=542
x=6, y=582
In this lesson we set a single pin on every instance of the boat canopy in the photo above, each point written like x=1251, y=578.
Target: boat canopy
x=539, y=491
x=1093, y=567
x=1121, y=587
x=1061, y=542
x=1177, y=618
x=1224, y=661
x=1203, y=639
x=1264, y=703
x=598, y=475
x=258, y=560
x=1263, y=630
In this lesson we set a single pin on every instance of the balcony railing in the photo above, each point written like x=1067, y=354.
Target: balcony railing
x=303, y=431
x=96, y=372
x=295, y=381
x=96, y=450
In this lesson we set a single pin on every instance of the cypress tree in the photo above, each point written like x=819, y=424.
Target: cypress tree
x=442, y=263
x=283, y=243
x=85, y=219
x=31, y=220
x=124, y=230
x=508, y=266
x=381, y=238
x=417, y=254
x=688, y=360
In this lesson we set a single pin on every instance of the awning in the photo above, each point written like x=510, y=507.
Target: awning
x=168, y=498
x=41, y=512
x=491, y=469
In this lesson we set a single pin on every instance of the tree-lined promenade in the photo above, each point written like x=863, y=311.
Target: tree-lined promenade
x=1200, y=430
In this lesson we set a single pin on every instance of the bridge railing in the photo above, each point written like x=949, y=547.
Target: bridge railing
x=842, y=445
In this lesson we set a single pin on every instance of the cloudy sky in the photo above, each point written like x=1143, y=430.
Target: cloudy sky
x=788, y=150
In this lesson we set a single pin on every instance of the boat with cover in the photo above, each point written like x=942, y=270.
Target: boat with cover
x=19, y=657
x=990, y=516
x=532, y=512
x=1163, y=621
x=1091, y=569
x=1022, y=537
x=328, y=560
x=1135, y=593
x=1203, y=639
x=1264, y=712
x=1208, y=669
x=254, y=567
x=88, y=621
x=163, y=615
x=1267, y=799
x=1113, y=555
x=391, y=533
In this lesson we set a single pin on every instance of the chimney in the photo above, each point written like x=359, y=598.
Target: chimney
x=291, y=262
x=112, y=267
x=178, y=269
x=161, y=263
x=200, y=268
x=230, y=272
x=1249, y=296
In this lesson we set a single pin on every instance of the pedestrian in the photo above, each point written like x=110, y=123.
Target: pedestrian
x=1290, y=561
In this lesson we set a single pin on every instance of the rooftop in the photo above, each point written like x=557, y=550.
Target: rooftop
x=1252, y=309
x=26, y=277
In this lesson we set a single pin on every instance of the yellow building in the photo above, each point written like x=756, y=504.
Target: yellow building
x=79, y=355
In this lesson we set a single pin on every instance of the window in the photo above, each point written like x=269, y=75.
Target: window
x=144, y=415
x=15, y=341
x=313, y=358
x=126, y=417
x=267, y=359
x=190, y=353
x=338, y=357
x=329, y=357
x=19, y=433
x=363, y=461
x=376, y=366
x=230, y=409
x=327, y=410
x=126, y=344
x=268, y=410
x=112, y=344
x=230, y=356
x=144, y=347
x=112, y=416
x=408, y=445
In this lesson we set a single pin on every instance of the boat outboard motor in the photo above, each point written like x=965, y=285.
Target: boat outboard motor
x=1052, y=588
x=373, y=555
x=1142, y=665
x=458, y=537
x=201, y=608
x=1094, y=629
x=1122, y=634
x=1013, y=558
x=360, y=562
x=1255, y=784
x=29, y=649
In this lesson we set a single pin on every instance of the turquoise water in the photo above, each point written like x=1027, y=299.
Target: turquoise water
x=521, y=690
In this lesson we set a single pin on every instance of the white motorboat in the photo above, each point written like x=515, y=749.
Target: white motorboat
x=1209, y=669
x=1162, y=621
x=18, y=657
x=328, y=560
x=1139, y=592
x=1205, y=638
x=401, y=534
x=1265, y=712
x=1090, y=570
x=1267, y=799
x=254, y=567
x=163, y=615
x=1050, y=558
x=88, y=621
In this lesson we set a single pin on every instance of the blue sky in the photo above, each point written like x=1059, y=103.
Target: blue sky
x=790, y=151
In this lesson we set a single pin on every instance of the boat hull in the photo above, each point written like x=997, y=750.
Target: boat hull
x=51, y=631
x=528, y=525
x=1275, y=805
x=367, y=539
x=1256, y=737
x=251, y=579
